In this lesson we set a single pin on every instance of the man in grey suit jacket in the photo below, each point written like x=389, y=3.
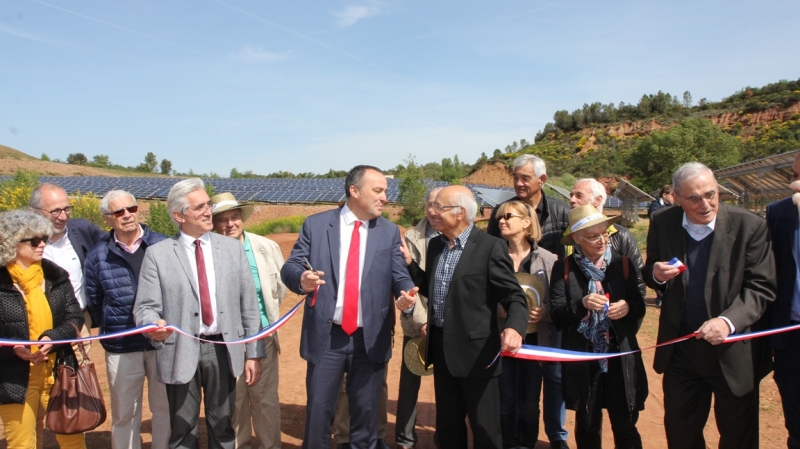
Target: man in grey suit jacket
x=728, y=282
x=202, y=283
x=348, y=316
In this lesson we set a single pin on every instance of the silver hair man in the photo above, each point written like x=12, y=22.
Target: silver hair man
x=176, y=199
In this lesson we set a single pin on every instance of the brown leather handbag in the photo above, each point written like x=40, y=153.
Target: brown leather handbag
x=76, y=399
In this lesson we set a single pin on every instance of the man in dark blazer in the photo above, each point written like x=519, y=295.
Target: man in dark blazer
x=348, y=317
x=467, y=274
x=727, y=285
x=782, y=219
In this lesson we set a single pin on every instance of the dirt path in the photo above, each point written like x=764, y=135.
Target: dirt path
x=292, y=394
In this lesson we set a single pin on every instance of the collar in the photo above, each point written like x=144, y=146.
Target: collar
x=188, y=241
x=697, y=229
x=459, y=241
x=138, y=237
x=350, y=217
x=60, y=242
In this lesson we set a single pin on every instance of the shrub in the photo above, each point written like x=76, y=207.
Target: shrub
x=158, y=219
x=88, y=206
x=278, y=226
x=16, y=192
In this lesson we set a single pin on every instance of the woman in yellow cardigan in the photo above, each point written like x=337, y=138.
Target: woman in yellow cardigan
x=36, y=303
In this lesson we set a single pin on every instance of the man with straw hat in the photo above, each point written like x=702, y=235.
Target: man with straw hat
x=260, y=400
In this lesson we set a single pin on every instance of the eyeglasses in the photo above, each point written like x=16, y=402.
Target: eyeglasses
x=597, y=238
x=55, y=213
x=507, y=216
x=696, y=199
x=200, y=208
x=36, y=241
x=118, y=213
x=441, y=208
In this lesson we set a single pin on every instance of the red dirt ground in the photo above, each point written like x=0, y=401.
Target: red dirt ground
x=292, y=394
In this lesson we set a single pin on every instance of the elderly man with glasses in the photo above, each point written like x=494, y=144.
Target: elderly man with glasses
x=714, y=265
x=71, y=241
x=202, y=283
x=112, y=276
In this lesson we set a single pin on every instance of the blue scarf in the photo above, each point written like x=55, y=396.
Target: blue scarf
x=594, y=326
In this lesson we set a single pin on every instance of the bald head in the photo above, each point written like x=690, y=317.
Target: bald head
x=455, y=210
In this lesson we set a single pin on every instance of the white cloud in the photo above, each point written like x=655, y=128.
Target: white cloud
x=351, y=14
x=257, y=55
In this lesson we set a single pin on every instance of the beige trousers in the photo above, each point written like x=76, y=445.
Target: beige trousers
x=259, y=403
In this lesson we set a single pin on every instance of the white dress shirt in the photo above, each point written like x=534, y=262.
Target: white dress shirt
x=61, y=253
x=208, y=257
x=346, y=222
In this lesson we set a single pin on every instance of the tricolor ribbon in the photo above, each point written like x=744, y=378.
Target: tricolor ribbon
x=263, y=333
x=544, y=354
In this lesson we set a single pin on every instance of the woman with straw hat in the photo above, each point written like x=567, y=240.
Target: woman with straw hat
x=521, y=380
x=595, y=298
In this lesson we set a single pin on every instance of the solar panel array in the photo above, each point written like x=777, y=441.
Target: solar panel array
x=270, y=190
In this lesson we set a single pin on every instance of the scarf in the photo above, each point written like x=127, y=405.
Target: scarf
x=40, y=317
x=594, y=326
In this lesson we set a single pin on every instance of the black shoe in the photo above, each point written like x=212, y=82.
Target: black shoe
x=382, y=444
x=343, y=446
x=560, y=444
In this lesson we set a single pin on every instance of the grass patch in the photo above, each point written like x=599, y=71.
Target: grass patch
x=283, y=225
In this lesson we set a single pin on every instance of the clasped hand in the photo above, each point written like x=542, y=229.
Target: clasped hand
x=24, y=352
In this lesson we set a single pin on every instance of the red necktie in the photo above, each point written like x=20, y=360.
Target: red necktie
x=202, y=282
x=350, y=312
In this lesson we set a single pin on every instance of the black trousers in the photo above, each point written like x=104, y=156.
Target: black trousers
x=787, y=376
x=692, y=376
x=214, y=378
x=607, y=391
x=458, y=398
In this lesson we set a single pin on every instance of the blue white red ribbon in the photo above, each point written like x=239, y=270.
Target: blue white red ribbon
x=267, y=331
x=543, y=354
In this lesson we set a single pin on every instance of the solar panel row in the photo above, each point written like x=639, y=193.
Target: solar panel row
x=271, y=190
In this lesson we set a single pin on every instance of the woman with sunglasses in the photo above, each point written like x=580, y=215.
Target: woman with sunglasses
x=37, y=302
x=521, y=380
x=595, y=298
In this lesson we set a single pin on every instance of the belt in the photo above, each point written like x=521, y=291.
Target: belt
x=215, y=337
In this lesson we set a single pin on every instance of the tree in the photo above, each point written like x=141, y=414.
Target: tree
x=412, y=192
x=166, y=167
x=150, y=161
x=658, y=155
x=209, y=189
x=101, y=160
x=687, y=99
x=563, y=120
x=77, y=159
x=45, y=157
x=158, y=219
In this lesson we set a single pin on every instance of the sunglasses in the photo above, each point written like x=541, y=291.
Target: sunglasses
x=118, y=213
x=36, y=241
x=507, y=216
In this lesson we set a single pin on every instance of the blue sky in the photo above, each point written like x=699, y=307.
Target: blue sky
x=311, y=85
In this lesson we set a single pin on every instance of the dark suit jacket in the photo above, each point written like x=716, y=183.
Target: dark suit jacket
x=384, y=275
x=83, y=235
x=740, y=284
x=782, y=220
x=483, y=278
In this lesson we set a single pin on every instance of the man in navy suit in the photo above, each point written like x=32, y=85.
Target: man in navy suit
x=348, y=316
x=782, y=219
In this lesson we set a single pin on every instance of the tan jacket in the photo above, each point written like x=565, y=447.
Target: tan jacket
x=417, y=246
x=269, y=261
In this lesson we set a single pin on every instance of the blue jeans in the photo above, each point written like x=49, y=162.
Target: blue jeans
x=520, y=388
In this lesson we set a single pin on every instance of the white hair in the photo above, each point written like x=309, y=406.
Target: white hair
x=536, y=162
x=433, y=193
x=689, y=171
x=466, y=200
x=17, y=225
x=176, y=199
x=598, y=190
x=113, y=195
